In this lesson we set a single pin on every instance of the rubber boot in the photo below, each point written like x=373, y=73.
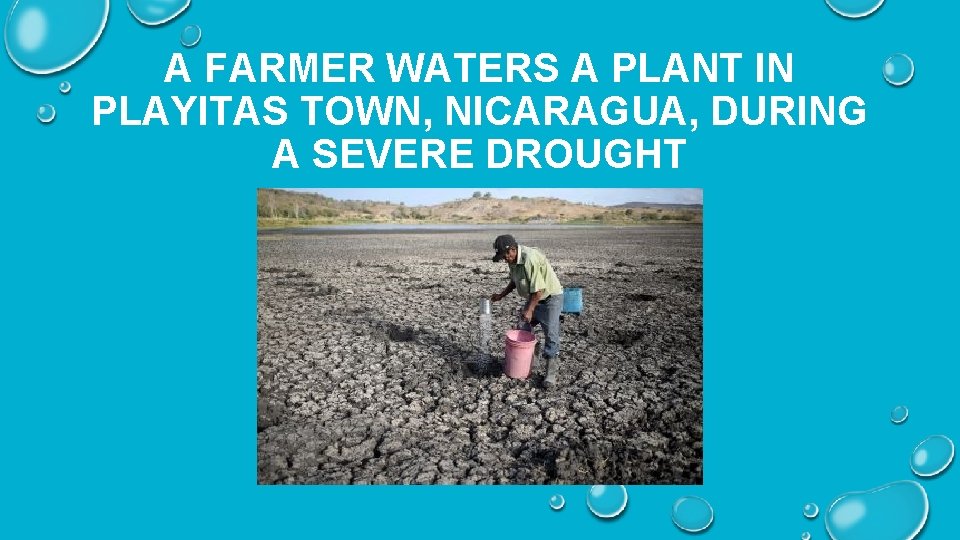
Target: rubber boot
x=553, y=368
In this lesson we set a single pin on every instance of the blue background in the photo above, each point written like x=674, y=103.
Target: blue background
x=129, y=263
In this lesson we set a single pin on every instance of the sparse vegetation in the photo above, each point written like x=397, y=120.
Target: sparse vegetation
x=279, y=208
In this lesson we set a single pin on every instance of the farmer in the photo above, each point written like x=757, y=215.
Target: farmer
x=533, y=277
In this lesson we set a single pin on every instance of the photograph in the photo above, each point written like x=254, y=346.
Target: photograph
x=480, y=336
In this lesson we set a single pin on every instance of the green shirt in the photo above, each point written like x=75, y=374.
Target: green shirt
x=532, y=272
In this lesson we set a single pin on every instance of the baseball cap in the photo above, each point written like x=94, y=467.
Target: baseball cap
x=501, y=245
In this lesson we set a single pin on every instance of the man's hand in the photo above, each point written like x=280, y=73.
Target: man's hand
x=527, y=315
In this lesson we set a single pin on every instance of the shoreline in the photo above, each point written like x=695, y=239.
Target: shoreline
x=454, y=227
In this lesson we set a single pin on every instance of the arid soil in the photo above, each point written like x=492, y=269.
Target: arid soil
x=365, y=343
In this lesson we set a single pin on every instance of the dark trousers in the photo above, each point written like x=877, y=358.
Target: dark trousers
x=547, y=315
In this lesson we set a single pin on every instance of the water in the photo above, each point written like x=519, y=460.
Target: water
x=899, y=414
x=810, y=510
x=854, y=8
x=898, y=69
x=426, y=228
x=486, y=332
x=65, y=87
x=692, y=514
x=190, y=36
x=46, y=36
x=607, y=501
x=895, y=511
x=932, y=456
x=805, y=536
x=46, y=113
x=557, y=502
x=154, y=12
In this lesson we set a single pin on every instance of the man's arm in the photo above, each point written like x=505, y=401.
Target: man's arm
x=499, y=296
x=533, y=267
x=531, y=305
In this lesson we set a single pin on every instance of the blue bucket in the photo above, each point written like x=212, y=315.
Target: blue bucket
x=572, y=299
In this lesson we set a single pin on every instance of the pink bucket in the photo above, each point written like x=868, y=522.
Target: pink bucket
x=519, y=353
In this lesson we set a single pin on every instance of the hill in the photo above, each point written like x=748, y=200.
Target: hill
x=669, y=206
x=277, y=207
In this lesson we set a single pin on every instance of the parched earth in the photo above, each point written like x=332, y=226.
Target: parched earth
x=364, y=343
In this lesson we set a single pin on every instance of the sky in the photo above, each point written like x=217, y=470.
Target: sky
x=429, y=196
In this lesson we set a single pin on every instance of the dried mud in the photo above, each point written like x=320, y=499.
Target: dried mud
x=365, y=343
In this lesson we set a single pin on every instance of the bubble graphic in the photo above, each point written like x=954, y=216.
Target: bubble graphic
x=899, y=414
x=692, y=514
x=154, y=12
x=854, y=9
x=607, y=501
x=46, y=36
x=895, y=511
x=898, y=69
x=557, y=502
x=805, y=536
x=190, y=36
x=65, y=87
x=810, y=510
x=932, y=456
x=46, y=113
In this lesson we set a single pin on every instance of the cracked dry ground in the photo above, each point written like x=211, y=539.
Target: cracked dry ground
x=363, y=340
